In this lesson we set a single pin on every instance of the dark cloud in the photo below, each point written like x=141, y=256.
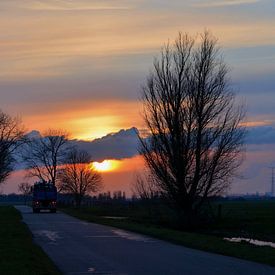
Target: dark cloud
x=120, y=145
x=123, y=144
x=260, y=135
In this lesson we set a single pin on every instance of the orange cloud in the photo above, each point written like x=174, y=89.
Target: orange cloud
x=121, y=178
x=257, y=123
x=221, y=3
x=89, y=120
x=124, y=177
x=54, y=42
x=107, y=165
x=80, y=5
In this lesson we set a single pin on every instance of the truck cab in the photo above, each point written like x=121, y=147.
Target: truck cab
x=44, y=197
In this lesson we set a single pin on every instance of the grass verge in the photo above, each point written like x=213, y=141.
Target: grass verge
x=18, y=253
x=215, y=244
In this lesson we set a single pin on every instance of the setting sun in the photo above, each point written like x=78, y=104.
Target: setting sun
x=106, y=165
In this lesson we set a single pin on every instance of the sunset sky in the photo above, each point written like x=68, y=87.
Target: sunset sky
x=79, y=65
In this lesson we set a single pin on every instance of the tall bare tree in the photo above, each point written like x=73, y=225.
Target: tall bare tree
x=195, y=141
x=78, y=177
x=11, y=137
x=26, y=189
x=42, y=155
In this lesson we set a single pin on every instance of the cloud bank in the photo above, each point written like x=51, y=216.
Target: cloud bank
x=125, y=143
x=260, y=135
x=118, y=145
x=219, y=3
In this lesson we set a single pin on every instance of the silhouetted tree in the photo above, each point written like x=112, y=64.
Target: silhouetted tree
x=11, y=136
x=195, y=138
x=78, y=177
x=145, y=187
x=43, y=155
x=26, y=189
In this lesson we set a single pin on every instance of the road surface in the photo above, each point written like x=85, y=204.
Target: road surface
x=79, y=247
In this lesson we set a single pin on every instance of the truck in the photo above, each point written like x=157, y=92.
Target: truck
x=44, y=197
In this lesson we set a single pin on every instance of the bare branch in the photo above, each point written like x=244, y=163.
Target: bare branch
x=78, y=177
x=196, y=139
x=11, y=137
x=43, y=155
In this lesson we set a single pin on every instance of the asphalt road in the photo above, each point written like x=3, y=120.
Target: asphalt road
x=78, y=247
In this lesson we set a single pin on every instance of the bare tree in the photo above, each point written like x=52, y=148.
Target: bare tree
x=43, y=155
x=196, y=140
x=26, y=189
x=145, y=186
x=78, y=177
x=11, y=137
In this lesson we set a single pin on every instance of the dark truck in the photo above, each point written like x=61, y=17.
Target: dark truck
x=44, y=197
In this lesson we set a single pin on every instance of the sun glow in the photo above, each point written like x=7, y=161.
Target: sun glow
x=106, y=165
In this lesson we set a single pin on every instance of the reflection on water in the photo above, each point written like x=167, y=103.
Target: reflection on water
x=251, y=241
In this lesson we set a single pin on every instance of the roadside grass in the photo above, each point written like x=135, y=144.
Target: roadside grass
x=245, y=219
x=18, y=253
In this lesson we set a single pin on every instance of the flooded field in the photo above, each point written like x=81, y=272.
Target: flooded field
x=251, y=241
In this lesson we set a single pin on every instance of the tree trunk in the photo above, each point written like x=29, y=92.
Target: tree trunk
x=78, y=200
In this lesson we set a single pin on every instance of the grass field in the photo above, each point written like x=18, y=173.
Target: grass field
x=239, y=219
x=18, y=253
x=252, y=219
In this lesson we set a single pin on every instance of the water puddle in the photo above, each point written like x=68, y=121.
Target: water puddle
x=131, y=236
x=251, y=241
